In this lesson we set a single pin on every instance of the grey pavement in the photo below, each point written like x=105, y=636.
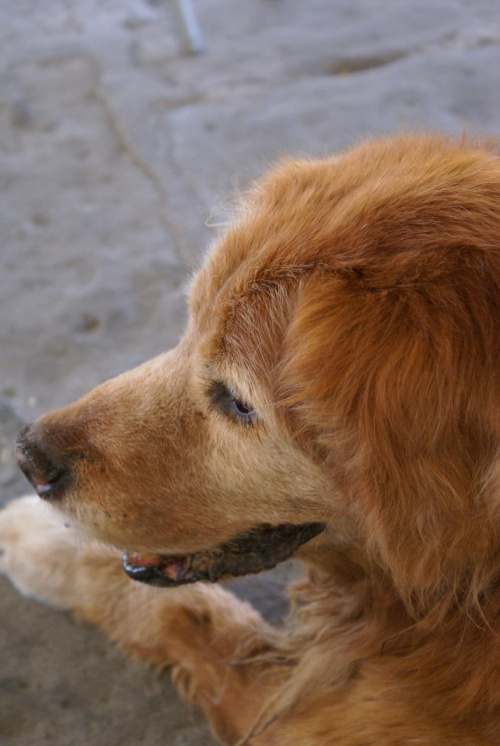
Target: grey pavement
x=118, y=158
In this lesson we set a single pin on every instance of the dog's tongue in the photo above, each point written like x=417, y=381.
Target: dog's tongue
x=144, y=560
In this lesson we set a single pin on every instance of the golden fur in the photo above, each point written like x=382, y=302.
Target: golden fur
x=355, y=303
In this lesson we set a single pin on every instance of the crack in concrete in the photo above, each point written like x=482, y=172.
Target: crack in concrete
x=456, y=40
x=343, y=65
x=350, y=65
x=126, y=144
x=123, y=139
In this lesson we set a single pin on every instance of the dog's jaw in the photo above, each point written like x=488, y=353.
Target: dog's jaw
x=259, y=549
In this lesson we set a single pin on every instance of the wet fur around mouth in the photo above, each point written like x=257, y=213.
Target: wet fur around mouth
x=261, y=548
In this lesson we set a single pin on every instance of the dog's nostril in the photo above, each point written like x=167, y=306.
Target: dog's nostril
x=47, y=477
x=46, y=488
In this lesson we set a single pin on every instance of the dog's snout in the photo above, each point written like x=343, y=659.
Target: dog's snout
x=48, y=475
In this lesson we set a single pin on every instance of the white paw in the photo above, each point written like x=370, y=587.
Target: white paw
x=37, y=552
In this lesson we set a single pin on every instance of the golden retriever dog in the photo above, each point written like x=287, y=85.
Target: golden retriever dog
x=336, y=397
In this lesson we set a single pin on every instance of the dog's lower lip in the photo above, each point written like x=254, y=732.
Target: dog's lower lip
x=153, y=568
x=260, y=548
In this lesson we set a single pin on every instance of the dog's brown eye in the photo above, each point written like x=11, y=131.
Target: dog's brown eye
x=227, y=403
x=242, y=409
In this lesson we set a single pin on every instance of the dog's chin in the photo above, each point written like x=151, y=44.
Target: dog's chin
x=261, y=548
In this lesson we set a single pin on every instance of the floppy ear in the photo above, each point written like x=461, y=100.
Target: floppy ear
x=401, y=386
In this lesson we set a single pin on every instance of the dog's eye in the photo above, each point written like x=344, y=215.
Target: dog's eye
x=227, y=403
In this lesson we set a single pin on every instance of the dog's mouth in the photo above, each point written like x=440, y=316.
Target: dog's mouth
x=261, y=548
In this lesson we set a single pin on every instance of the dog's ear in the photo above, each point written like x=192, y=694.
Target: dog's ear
x=401, y=386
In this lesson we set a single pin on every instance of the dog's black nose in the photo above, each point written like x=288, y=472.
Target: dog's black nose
x=47, y=474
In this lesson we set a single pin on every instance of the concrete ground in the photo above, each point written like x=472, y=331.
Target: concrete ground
x=117, y=155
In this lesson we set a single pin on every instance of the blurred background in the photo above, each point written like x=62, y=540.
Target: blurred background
x=118, y=152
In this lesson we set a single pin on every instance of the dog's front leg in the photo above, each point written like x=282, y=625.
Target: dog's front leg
x=215, y=643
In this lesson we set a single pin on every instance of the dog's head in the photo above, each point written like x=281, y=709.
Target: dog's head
x=340, y=373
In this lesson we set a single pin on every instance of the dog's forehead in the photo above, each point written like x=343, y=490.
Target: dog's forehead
x=270, y=241
x=351, y=215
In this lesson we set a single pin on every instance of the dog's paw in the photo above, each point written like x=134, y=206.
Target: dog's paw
x=38, y=553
